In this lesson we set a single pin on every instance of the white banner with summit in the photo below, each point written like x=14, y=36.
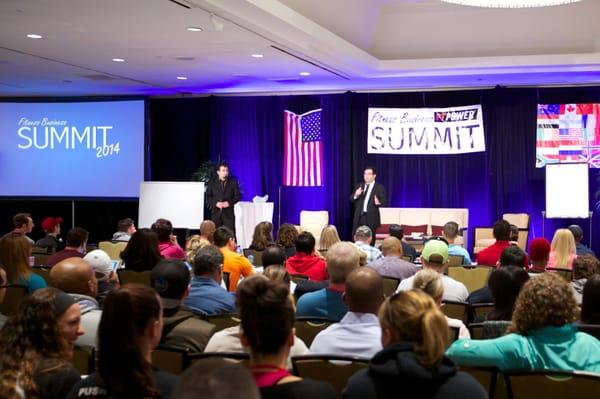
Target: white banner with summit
x=434, y=131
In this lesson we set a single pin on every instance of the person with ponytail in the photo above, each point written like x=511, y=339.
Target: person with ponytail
x=267, y=329
x=37, y=346
x=412, y=362
x=130, y=328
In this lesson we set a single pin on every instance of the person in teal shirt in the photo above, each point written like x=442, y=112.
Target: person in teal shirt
x=541, y=336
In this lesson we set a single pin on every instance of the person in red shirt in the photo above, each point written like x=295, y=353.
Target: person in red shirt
x=305, y=260
x=489, y=256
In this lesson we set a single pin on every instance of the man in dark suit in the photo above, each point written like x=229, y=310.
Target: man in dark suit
x=221, y=195
x=367, y=198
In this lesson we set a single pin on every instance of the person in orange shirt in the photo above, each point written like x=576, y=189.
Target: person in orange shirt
x=233, y=263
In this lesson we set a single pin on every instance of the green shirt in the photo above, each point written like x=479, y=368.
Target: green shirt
x=558, y=348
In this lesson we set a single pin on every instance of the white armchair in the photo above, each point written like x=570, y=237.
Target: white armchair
x=314, y=222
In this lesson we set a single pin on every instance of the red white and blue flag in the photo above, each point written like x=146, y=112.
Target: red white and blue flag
x=303, y=149
x=568, y=133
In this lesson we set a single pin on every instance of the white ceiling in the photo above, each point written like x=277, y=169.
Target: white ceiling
x=344, y=44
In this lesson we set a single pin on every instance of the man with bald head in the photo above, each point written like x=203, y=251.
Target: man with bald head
x=77, y=278
x=342, y=259
x=359, y=332
x=392, y=264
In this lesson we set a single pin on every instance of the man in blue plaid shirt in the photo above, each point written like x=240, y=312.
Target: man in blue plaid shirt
x=362, y=240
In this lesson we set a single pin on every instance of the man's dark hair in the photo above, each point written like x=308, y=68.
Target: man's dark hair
x=450, y=229
x=170, y=278
x=514, y=233
x=590, y=303
x=372, y=169
x=222, y=236
x=512, y=256
x=220, y=165
x=163, y=229
x=305, y=243
x=577, y=232
x=397, y=231
x=505, y=283
x=76, y=237
x=20, y=219
x=125, y=224
x=208, y=260
x=502, y=230
x=273, y=255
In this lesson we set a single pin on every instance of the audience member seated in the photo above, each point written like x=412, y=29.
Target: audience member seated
x=194, y=244
x=511, y=256
x=505, y=284
x=412, y=363
x=37, y=347
x=435, y=256
x=450, y=232
x=430, y=282
x=584, y=267
x=75, y=246
x=213, y=378
x=273, y=255
x=129, y=330
x=181, y=329
x=207, y=230
x=539, y=253
x=363, y=238
x=141, y=252
x=14, y=258
x=167, y=241
x=105, y=275
x=262, y=237
x=126, y=228
x=267, y=329
x=327, y=302
x=305, y=261
x=580, y=249
x=75, y=277
x=489, y=256
x=562, y=250
x=3, y=283
x=542, y=334
x=233, y=263
x=206, y=295
x=514, y=234
x=51, y=241
x=590, y=304
x=397, y=231
x=279, y=274
x=329, y=236
x=23, y=224
x=228, y=339
x=359, y=332
x=286, y=237
x=392, y=264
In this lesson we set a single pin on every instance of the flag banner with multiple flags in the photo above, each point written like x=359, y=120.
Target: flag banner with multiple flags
x=568, y=133
x=303, y=149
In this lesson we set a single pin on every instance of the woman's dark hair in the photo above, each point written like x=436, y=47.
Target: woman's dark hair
x=141, y=252
x=267, y=313
x=505, y=283
x=262, y=237
x=590, y=303
x=126, y=314
x=287, y=235
x=31, y=334
x=163, y=229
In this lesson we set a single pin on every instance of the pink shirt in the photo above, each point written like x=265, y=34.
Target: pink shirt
x=552, y=261
x=169, y=250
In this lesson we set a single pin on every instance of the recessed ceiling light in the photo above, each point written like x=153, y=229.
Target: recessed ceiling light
x=257, y=56
x=194, y=29
x=305, y=73
x=34, y=36
x=181, y=78
x=118, y=60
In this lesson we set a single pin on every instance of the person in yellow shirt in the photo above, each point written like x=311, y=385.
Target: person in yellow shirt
x=233, y=263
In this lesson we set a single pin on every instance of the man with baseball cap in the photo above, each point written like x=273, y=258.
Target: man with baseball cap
x=181, y=328
x=435, y=256
x=105, y=275
x=51, y=240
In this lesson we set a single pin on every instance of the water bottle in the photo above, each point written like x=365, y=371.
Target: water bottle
x=251, y=259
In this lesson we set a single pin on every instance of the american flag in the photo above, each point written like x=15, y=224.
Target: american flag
x=303, y=149
x=568, y=133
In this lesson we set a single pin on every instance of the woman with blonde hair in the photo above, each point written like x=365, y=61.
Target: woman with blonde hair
x=430, y=282
x=329, y=236
x=412, y=362
x=562, y=250
x=194, y=244
x=541, y=335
